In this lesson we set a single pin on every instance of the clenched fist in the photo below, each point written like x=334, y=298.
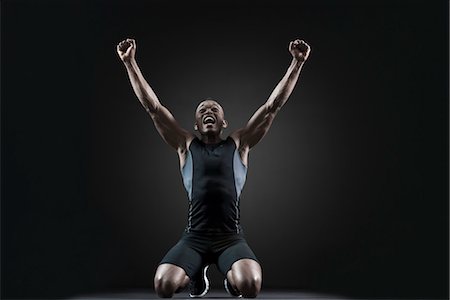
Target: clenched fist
x=126, y=50
x=299, y=50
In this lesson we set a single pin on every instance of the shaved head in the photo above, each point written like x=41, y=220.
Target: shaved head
x=209, y=102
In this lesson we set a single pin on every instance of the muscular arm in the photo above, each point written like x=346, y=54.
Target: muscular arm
x=165, y=123
x=262, y=119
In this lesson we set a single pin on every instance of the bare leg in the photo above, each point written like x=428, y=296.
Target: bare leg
x=168, y=279
x=245, y=277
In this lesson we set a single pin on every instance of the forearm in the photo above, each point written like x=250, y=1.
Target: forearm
x=141, y=88
x=284, y=88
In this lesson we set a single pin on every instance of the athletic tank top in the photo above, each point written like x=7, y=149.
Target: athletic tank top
x=213, y=176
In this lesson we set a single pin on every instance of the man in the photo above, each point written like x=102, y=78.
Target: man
x=213, y=171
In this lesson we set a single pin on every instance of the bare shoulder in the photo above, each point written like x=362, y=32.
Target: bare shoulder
x=189, y=138
x=236, y=136
x=240, y=137
x=242, y=149
x=183, y=145
x=182, y=150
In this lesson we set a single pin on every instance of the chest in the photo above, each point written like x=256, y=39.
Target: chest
x=212, y=160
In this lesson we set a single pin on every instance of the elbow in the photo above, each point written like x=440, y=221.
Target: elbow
x=151, y=108
x=273, y=106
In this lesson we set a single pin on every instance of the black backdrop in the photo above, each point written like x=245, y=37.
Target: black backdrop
x=347, y=194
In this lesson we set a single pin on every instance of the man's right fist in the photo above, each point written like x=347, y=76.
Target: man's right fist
x=126, y=49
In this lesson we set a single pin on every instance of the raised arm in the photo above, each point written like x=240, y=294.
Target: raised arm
x=165, y=123
x=262, y=119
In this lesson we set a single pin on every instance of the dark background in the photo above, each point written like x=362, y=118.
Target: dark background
x=347, y=194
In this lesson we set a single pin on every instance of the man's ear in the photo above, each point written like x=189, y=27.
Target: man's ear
x=195, y=127
x=224, y=124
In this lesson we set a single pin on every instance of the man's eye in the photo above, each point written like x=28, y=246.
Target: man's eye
x=202, y=110
x=215, y=110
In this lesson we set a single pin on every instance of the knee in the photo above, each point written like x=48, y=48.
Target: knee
x=164, y=286
x=249, y=286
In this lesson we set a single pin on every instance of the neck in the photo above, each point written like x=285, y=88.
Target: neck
x=211, y=139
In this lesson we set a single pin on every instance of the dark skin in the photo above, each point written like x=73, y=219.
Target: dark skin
x=246, y=274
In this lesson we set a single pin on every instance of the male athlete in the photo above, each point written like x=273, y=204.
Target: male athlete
x=213, y=171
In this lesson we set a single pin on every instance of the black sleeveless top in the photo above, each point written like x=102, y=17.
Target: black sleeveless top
x=213, y=176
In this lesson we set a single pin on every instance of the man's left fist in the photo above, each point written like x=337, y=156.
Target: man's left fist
x=299, y=50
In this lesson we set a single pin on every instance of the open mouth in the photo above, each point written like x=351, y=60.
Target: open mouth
x=209, y=120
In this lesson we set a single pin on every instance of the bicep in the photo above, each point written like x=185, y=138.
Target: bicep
x=169, y=129
x=257, y=127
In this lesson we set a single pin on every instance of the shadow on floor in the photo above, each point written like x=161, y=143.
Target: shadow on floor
x=217, y=295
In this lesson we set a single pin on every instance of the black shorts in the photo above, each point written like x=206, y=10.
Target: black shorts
x=194, y=250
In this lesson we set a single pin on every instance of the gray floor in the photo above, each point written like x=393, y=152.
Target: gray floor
x=217, y=295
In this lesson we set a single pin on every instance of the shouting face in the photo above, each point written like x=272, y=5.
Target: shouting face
x=209, y=118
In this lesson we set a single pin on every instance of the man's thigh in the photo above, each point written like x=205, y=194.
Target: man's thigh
x=234, y=253
x=183, y=256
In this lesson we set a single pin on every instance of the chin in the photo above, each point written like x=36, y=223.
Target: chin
x=210, y=131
